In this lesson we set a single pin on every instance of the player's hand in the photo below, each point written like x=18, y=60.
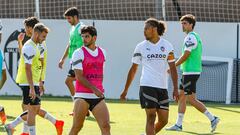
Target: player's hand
x=32, y=94
x=175, y=95
x=21, y=37
x=98, y=93
x=60, y=64
x=169, y=71
x=123, y=96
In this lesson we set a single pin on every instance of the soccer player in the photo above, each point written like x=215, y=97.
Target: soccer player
x=29, y=78
x=75, y=42
x=29, y=24
x=156, y=56
x=88, y=64
x=191, y=66
x=3, y=77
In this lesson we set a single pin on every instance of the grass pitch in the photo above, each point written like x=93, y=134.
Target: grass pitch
x=127, y=118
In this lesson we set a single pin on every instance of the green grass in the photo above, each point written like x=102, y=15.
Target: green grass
x=127, y=118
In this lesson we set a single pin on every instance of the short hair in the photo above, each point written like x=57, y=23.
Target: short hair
x=89, y=29
x=189, y=18
x=72, y=11
x=161, y=26
x=31, y=21
x=40, y=27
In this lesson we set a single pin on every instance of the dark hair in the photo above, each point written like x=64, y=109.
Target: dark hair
x=72, y=11
x=161, y=26
x=31, y=21
x=89, y=29
x=189, y=18
x=40, y=27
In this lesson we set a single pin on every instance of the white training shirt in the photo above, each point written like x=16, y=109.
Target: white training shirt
x=190, y=42
x=154, y=59
x=28, y=52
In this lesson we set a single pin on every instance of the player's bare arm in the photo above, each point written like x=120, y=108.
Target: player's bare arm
x=130, y=77
x=28, y=68
x=86, y=83
x=183, y=58
x=4, y=78
x=174, y=75
x=61, y=62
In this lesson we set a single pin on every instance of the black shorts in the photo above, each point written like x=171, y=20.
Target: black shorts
x=26, y=99
x=71, y=72
x=92, y=102
x=188, y=84
x=151, y=97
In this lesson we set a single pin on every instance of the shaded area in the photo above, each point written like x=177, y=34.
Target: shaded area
x=91, y=118
x=195, y=133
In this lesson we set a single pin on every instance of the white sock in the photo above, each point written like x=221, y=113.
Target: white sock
x=32, y=130
x=180, y=119
x=209, y=115
x=50, y=118
x=25, y=127
x=15, y=122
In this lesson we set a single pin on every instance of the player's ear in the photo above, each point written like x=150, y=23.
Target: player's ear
x=95, y=38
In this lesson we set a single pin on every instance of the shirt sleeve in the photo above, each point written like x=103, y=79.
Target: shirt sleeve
x=28, y=53
x=77, y=59
x=137, y=56
x=190, y=42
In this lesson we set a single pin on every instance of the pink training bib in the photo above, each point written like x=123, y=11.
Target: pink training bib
x=92, y=71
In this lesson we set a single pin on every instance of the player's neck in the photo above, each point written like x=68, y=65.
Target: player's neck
x=34, y=40
x=189, y=31
x=154, y=40
x=76, y=22
x=92, y=47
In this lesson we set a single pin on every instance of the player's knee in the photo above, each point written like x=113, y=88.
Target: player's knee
x=192, y=101
x=67, y=81
x=151, y=117
x=106, y=126
x=162, y=121
x=77, y=127
x=165, y=122
x=42, y=113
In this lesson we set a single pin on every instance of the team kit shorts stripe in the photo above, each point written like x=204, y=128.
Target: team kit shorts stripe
x=188, y=84
x=26, y=99
x=151, y=97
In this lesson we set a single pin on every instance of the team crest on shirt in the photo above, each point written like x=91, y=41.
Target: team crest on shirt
x=163, y=49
